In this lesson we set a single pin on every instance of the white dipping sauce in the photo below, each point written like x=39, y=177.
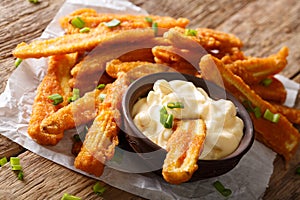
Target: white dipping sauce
x=224, y=128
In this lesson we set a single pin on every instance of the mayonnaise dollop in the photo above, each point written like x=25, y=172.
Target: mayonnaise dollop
x=224, y=128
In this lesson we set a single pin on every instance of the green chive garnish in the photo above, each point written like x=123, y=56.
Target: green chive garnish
x=266, y=82
x=148, y=19
x=3, y=161
x=14, y=161
x=56, y=98
x=18, y=62
x=271, y=116
x=190, y=32
x=163, y=115
x=155, y=28
x=34, y=1
x=84, y=30
x=70, y=197
x=98, y=189
x=75, y=96
x=101, y=86
x=220, y=187
x=112, y=23
x=249, y=108
x=169, y=121
x=257, y=112
x=78, y=22
x=175, y=105
x=21, y=175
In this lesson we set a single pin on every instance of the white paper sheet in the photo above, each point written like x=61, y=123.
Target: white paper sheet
x=247, y=181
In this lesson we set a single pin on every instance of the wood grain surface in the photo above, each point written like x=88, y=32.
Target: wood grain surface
x=264, y=26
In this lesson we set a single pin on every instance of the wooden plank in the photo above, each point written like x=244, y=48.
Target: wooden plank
x=44, y=179
x=9, y=148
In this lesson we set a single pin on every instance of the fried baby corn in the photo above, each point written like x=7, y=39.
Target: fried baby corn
x=282, y=136
x=92, y=19
x=54, y=82
x=184, y=148
x=102, y=137
x=253, y=70
x=74, y=114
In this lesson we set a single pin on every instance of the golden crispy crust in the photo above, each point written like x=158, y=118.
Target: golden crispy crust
x=184, y=148
x=275, y=92
x=253, y=70
x=292, y=114
x=102, y=137
x=55, y=81
x=93, y=19
x=282, y=137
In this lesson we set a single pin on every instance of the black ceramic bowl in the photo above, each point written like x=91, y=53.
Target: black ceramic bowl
x=154, y=155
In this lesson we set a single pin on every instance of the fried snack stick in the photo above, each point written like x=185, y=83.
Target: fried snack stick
x=292, y=114
x=93, y=19
x=55, y=81
x=184, y=148
x=78, y=42
x=92, y=67
x=209, y=39
x=253, y=70
x=275, y=92
x=181, y=60
x=282, y=137
x=102, y=137
x=74, y=114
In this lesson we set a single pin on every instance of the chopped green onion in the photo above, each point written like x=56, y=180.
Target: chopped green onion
x=249, y=108
x=102, y=97
x=56, y=98
x=21, y=175
x=169, y=121
x=34, y=1
x=226, y=192
x=16, y=167
x=257, y=112
x=155, y=28
x=3, y=161
x=14, y=161
x=220, y=187
x=271, y=116
x=101, y=86
x=149, y=19
x=84, y=30
x=163, y=115
x=266, y=82
x=298, y=170
x=70, y=197
x=78, y=22
x=98, y=189
x=190, y=32
x=18, y=62
x=112, y=23
x=175, y=105
x=75, y=96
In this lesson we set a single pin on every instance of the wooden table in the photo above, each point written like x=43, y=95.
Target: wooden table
x=263, y=25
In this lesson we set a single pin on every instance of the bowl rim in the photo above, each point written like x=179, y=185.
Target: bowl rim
x=248, y=131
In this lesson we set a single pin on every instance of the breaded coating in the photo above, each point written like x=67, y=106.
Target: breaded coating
x=253, y=70
x=92, y=20
x=184, y=148
x=54, y=82
x=102, y=137
x=275, y=92
x=74, y=114
x=292, y=114
x=100, y=141
x=282, y=136
x=79, y=42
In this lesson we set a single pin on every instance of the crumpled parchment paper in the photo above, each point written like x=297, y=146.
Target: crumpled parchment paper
x=247, y=181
